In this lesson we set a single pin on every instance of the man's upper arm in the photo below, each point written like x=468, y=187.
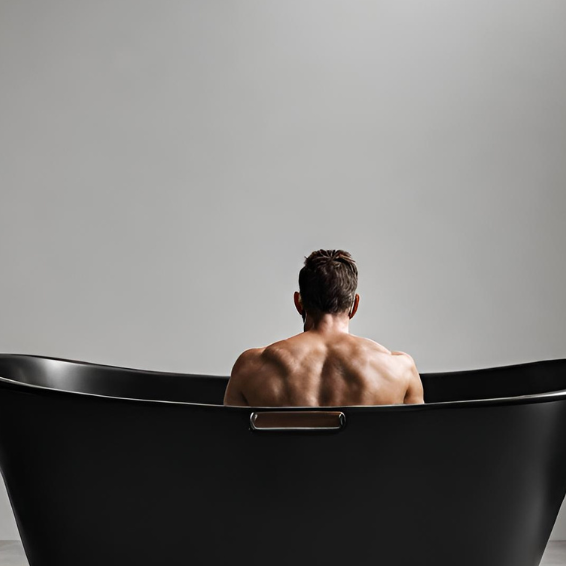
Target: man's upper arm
x=415, y=391
x=234, y=394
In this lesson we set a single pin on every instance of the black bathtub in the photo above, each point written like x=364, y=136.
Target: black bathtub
x=107, y=466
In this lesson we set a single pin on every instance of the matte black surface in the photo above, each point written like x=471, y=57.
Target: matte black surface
x=98, y=480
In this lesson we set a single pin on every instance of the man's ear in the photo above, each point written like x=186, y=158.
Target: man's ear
x=355, y=306
x=298, y=303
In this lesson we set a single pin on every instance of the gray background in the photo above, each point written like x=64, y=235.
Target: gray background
x=166, y=166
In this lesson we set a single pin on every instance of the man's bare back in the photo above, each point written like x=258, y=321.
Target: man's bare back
x=315, y=369
x=325, y=365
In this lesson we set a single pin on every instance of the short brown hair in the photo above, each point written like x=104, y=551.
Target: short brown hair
x=328, y=282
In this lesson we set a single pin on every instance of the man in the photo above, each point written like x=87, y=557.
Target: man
x=325, y=365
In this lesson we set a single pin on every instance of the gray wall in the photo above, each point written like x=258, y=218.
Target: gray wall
x=166, y=166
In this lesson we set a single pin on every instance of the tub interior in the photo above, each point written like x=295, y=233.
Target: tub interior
x=486, y=383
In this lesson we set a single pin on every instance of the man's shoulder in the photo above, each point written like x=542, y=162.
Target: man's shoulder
x=293, y=345
x=406, y=358
x=403, y=357
x=247, y=361
x=248, y=356
x=267, y=353
x=394, y=362
x=408, y=368
x=371, y=345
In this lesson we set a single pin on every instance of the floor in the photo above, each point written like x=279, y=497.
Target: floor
x=12, y=554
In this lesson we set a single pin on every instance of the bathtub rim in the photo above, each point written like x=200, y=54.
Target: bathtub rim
x=549, y=396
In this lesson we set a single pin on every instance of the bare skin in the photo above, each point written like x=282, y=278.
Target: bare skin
x=324, y=365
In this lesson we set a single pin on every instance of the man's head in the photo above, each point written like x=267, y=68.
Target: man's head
x=328, y=283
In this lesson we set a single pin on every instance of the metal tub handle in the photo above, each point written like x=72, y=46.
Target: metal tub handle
x=297, y=420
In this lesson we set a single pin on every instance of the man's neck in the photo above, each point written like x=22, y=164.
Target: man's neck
x=328, y=324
